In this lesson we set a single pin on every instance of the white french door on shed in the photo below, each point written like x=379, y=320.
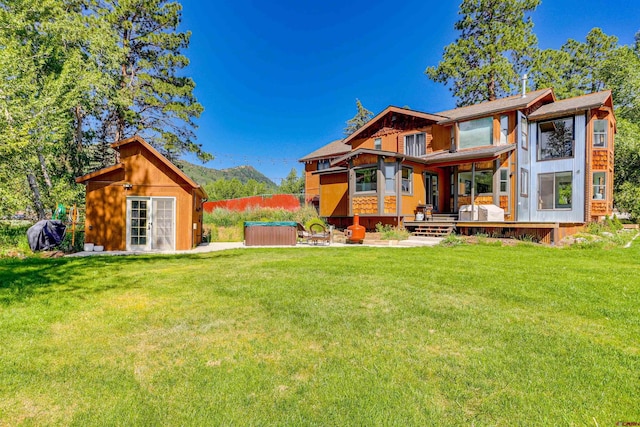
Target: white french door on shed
x=150, y=223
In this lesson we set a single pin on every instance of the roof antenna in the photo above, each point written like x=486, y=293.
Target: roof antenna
x=524, y=85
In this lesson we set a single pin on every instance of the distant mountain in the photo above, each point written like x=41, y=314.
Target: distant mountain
x=204, y=175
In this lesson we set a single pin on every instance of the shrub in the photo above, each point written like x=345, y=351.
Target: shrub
x=78, y=243
x=13, y=238
x=614, y=223
x=387, y=232
x=452, y=240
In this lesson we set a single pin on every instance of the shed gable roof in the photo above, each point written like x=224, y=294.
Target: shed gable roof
x=99, y=172
x=138, y=140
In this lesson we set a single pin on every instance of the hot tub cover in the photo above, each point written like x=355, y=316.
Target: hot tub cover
x=44, y=235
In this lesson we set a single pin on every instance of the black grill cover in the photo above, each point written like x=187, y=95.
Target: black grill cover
x=44, y=235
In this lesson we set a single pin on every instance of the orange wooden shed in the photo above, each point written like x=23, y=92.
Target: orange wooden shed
x=142, y=203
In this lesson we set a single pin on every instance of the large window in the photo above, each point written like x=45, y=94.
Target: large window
x=407, y=180
x=483, y=183
x=366, y=179
x=475, y=133
x=415, y=145
x=599, y=185
x=555, y=190
x=600, y=133
x=556, y=139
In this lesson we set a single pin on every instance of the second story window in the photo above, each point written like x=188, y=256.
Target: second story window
x=323, y=164
x=377, y=144
x=555, y=139
x=524, y=134
x=504, y=129
x=600, y=133
x=475, y=133
x=415, y=145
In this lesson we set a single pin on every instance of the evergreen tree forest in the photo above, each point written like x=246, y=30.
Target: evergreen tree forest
x=78, y=75
x=497, y=45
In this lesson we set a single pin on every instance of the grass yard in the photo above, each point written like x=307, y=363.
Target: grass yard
x=463, y=335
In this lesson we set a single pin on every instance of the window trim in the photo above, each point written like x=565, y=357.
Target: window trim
x=410, y=179
x=606, y=133
x=491, y=142
x=452, y=139
x=603, y=186
x=573, y=139
x=355, y=179
x=555, y=208
x=506, y=181
x=524, y=133
x=326, y=162
x=505, y=135
x=391, y=178
x=524, y=182
x=424, y=146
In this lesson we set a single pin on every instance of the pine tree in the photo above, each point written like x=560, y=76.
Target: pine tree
x=149, y=96
x=292, y=184
x=576, y=68
x=495, y=47
x=360, y=119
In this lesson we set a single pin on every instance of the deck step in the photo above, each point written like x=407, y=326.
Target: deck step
x=433, y=230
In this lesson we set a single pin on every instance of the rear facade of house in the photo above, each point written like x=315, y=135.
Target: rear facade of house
x=536, y=159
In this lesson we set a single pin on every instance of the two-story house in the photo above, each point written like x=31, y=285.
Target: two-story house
x=539, y=160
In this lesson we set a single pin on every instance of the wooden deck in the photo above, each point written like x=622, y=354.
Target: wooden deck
x=543, y=232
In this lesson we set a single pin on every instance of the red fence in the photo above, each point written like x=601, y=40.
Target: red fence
x=281, y=201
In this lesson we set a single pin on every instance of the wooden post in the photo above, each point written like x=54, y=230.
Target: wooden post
x=74, y=218
x=473, y=188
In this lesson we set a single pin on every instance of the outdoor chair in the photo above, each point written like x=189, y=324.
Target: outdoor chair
x=316, y=234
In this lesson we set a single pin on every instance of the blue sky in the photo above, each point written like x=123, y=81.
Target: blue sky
x=278, y=79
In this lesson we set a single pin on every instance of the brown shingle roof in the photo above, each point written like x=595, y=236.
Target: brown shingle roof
x=359, y=151
x=327, y=171
x=470, y=154
x=332, y=149
x=491, y=107
x=571, y=105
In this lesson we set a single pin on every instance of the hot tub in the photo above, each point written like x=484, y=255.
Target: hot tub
x=274, y=233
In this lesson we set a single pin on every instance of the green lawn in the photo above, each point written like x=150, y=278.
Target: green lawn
x=464, y=335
